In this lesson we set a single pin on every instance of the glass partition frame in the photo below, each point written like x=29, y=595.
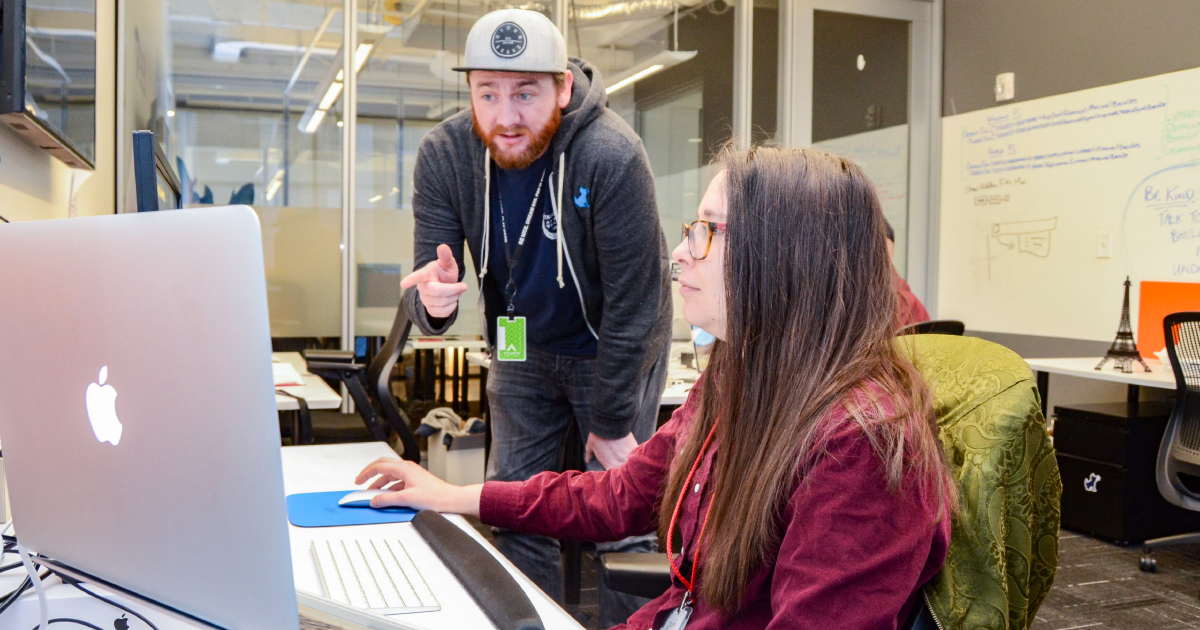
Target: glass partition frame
x=924, y=107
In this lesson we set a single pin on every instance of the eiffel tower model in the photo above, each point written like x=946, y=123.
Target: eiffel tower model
x=1124, y=350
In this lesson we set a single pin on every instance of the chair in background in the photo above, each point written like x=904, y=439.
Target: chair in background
x=370, y=388
x=1004, y=543
x=935, y=327
x=1178, y=473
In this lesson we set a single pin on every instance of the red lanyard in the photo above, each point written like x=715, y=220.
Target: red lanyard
x=683, y=492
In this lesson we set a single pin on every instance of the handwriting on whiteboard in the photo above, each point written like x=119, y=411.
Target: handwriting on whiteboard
x=1163, y=216
x=1023, y=237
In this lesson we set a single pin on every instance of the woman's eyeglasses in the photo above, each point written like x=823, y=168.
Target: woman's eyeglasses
x=698, y=235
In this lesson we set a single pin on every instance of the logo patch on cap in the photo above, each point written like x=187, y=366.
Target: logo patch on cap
x=508, y=40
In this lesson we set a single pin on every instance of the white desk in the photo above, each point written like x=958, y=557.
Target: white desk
x=1160, y=375
x=442, y=343
x=315, y=391
x=311, y=469
x=675, y=394
x=332, y=467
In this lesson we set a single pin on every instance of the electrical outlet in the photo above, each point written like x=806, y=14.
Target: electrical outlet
x=1005, y=88
x=1104, y=244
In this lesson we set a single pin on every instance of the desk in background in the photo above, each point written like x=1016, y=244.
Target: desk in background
x=1160, y=376
x=315, y=391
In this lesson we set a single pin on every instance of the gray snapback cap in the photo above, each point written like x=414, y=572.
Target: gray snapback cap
x=515, y=40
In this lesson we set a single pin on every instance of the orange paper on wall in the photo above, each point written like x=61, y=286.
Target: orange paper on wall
x=1156, y=301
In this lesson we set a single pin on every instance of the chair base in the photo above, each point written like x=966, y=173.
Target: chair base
x=1148, y=564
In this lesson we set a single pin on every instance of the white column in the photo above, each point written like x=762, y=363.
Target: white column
x=560, y=16
x=743, y=58
x=349, y=159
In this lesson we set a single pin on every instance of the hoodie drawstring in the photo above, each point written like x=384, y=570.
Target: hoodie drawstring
x=487, y=211
x=562, y=169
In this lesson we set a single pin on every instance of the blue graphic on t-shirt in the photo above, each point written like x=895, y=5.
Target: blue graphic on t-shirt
x=581, y=199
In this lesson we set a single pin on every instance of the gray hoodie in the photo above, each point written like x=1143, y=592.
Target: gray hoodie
x=610, y=241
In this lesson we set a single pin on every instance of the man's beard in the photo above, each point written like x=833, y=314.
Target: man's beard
x=537, y=143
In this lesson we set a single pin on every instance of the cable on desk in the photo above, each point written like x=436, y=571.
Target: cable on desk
x=11, y=598
x=73, y=582
x=69, y=620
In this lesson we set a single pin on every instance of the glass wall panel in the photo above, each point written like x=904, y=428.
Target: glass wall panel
x=245, y=78
x=668, y=67
x=860, y=105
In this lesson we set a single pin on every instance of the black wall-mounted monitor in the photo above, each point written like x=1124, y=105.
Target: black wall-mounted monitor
x=155, y=181
x=48, y=75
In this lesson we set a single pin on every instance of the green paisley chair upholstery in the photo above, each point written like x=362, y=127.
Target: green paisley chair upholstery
x=1004, y=542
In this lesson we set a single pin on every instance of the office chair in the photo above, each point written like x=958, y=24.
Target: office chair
x=370, y=388
x=934, y=327
x=1178, y=473
x=1000, y=455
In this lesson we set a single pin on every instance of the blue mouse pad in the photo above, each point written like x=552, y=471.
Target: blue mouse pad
x=321, y=509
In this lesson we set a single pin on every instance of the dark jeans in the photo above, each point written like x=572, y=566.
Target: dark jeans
x=531, y=404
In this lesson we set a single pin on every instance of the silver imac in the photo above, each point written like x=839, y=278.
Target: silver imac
x=137, y=413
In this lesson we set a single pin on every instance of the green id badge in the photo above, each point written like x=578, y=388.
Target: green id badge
x=510, y=339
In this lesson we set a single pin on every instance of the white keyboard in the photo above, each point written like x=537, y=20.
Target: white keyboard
x=375, y=574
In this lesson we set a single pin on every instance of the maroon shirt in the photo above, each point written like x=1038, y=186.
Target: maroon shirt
x=909, y=309
x=852, y=555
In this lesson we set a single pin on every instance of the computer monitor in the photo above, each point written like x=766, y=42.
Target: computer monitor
x=137, y=405
x=154, y=180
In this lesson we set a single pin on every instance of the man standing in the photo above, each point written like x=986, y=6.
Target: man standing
x=553, y=194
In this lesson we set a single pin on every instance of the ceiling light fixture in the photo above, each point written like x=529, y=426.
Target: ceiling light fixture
x=647, y=67
x=275, y=184
x=331, y=96
x=314, y=121
x=330, y=88
x=360, y=56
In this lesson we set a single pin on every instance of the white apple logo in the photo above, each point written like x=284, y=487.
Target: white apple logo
x=102, y=410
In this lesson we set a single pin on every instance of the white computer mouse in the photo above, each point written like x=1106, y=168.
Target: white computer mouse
x=360, y=498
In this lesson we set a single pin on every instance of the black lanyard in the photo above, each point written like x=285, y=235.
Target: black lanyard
x=510, y=288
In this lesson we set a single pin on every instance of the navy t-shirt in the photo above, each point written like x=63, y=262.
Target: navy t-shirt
x=553, y=317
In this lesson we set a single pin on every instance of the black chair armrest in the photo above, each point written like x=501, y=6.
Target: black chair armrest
x=329, y=356
x=316, y=367
x=641, y=574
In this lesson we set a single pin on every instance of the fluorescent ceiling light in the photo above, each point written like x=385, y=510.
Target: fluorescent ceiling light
x=275, y=184
x=314, y=121
x=375, y=198
x=330, y=88
x=647, y=67
x=360, y=56
x=630, y=80
x=335, y=89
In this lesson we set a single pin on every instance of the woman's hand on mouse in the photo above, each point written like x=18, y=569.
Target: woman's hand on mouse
x=409, y=485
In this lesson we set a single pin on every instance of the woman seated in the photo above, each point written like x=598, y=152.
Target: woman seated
x=802, y=485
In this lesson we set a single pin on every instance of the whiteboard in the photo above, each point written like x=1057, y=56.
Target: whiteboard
x=1029, y=189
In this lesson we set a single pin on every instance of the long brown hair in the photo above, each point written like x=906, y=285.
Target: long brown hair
x=811, y=309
